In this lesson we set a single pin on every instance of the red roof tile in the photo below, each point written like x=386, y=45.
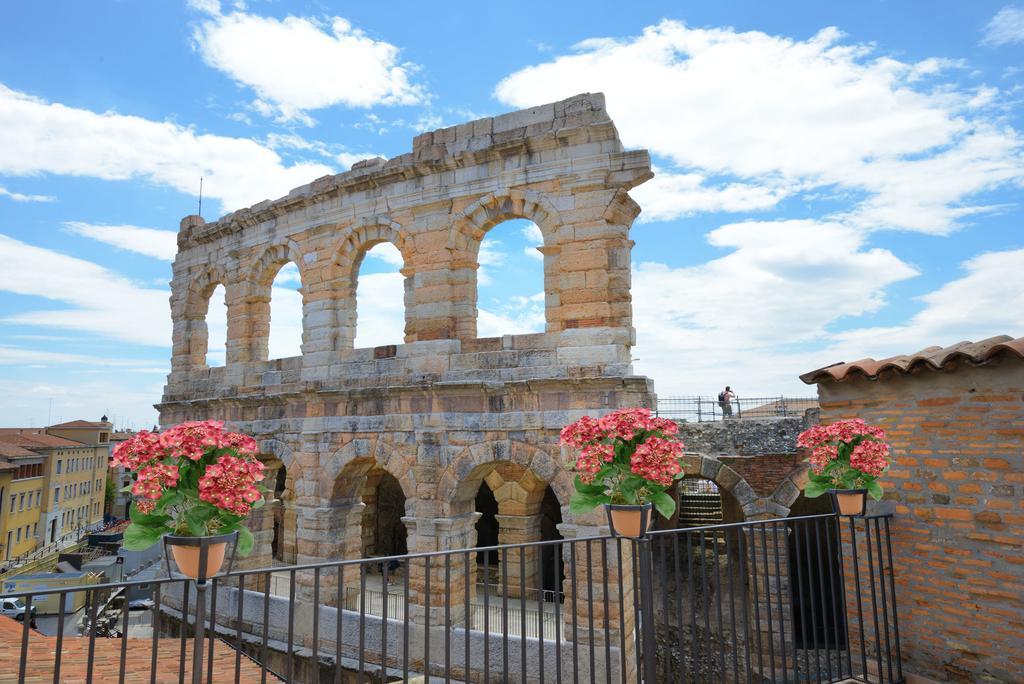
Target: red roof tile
x=35, y=438
x=15, y=451
x=83, y=424
x=107, y=659
x=931, y=358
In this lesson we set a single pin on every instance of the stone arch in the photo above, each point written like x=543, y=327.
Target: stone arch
x=462, y=477
x=257, y=298
x=344, y=472
x=727, y=480
x=191, y=334
x=348, y=256
x=475, y=220
x=789, y=490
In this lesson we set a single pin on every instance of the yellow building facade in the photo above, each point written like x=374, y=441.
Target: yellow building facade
x=21, y=505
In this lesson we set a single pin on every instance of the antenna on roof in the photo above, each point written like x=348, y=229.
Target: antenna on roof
x=49, y=414
x=200, y=196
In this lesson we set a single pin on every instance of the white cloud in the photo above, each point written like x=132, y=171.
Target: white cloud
x=19, y=355
x=387, y=253
x=1006, y=27
x=159, y=244
x=746, y=315
x=42, y=137
x=128, y=403
x=20, y=197
x=297, y=64
x=102, y=302
x=985, y=301
x=765, y=115
x=286, y=314
x=516, y=316
x=380, y=309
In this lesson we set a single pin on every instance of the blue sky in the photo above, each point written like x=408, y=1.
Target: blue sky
x=834, y=180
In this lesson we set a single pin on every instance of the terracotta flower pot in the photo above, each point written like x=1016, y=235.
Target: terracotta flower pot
x=849, y=502
x=186, y=552
x=629, y=521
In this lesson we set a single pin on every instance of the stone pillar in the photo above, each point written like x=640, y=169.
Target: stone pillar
x=325, y=534
x=520, y=529
x=446, y=582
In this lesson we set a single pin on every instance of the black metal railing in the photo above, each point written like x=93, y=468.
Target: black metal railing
x=708, y=409
x=808, y=599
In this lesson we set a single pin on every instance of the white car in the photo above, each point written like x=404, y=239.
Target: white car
x=14, y=608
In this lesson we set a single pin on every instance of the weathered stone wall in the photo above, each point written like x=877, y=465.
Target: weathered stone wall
x=444, y=411
x=956, y=483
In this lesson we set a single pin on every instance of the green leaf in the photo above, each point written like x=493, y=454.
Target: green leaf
x=245, y=541
x=140, y=537
x=581, y=503
x=258, y=503
x=814, y=489
x=874, y=490
x=665, y=504
x=585, y=488
x=148, y=519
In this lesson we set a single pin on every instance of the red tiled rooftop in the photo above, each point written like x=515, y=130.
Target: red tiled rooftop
x=15, y=451
x=932, y=358
x=83, y=424
x=107, y=659
x=35, y=438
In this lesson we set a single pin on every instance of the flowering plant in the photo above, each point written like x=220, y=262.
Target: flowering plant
x=848, y=454
x=626, y=457
x=194, y=479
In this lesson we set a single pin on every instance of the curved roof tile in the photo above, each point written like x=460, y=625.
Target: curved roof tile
x=932, y=358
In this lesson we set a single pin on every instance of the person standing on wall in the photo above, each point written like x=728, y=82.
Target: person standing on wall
x=725, y=398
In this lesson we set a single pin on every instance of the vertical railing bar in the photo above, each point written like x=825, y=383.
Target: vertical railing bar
x=778, y=593
x=824, y=609
x=622, y=612
x=693, y=605
x=540, y=613
x=892, y=591
x=813, y=601
x=92, y=637
x=663, y=583
x=575, y=616
x=677, y=581
x=448, y=618
x=590, y=609
x=426, y=617
x=704, y=593
x=556, y=560
x=637, y=651
x=768, y=599
x=757, y=601
x=405, y=622
x=741, y=545
x=213, y=630
x=504, y=610
x=487, y=619
x=184, y=624
x=718, y=601
x=607, y=619
x=874, y=597
x=156, y=632
x=384, y=623
x=885, y=602
x=315, y=646
x=835, y=596
x=265, y=646
x=860, y=607
x=732, y=609
x=62, y=597
x=124, y=637
x=240, y=599
x=842, y=579
x=469, y=613
x=339, y=621
x=800, y=593
x=26, y=620
x=522, y=610
x=362, y=623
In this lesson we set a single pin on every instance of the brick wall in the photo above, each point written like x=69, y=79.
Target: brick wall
x=764, y=472
x=958, y=536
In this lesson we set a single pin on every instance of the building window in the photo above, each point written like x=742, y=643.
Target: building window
x=59, y=465
x=21, y=502
x=35, y=529
x=56, y=495
x=14, y=499
x=19, y=536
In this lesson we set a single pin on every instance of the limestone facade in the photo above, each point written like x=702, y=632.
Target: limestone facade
x=445, y=411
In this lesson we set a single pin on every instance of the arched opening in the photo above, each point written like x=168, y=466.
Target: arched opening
x=285, y=314
x=384, y=533
x=379, y=316
x=510, y=297
x=814, y=551
x=277, y=544
x=486, y=526
x=552, y=568
x=217, y=327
